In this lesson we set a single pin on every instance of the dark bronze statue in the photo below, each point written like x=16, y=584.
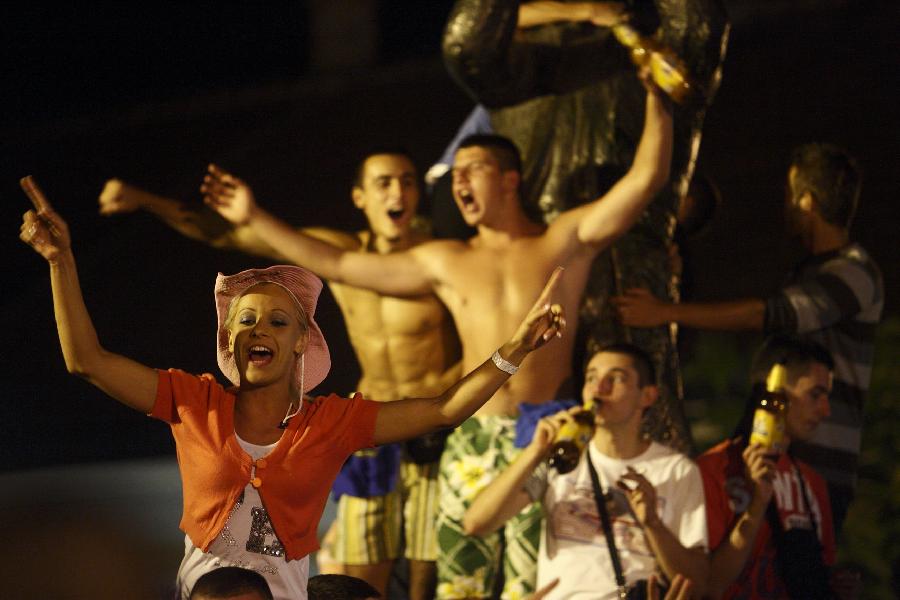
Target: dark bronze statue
x=567, y=94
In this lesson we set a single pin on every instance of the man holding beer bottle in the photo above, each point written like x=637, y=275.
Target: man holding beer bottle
x=769, y=516
x=834, y=296
x=652, y=495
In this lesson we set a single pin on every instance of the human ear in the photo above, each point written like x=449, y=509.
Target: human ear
x=302, y=341
x=649, y=395
x=230, y=341
x=512, y=179
x=805, y=202
x=357, y=195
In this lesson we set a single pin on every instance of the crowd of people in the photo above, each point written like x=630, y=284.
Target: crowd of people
x=440, y=455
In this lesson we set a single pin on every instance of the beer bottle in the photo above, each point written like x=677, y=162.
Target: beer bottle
x=571, y=440
x=769, y=416
x=666, y=69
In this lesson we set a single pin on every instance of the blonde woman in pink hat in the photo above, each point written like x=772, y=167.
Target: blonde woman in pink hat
x=257, y=460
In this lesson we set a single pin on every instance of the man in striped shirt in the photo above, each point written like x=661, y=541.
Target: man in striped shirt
x=835, y=297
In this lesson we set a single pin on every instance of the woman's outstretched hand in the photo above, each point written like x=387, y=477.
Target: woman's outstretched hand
x=545, y=320
x=42, y=228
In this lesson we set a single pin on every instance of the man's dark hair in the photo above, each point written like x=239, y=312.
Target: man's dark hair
x=795, y=354
x=640, y=360
x=832, y=177
x=375, y=151
x=501, y=148
x=227, y=582
x=339, y=587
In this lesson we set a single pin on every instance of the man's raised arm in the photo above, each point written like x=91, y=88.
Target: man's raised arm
x=600, y=222
x=199, y=224
x=729, y=557
x=670, y=553
x=506, y=495
x=395, y=274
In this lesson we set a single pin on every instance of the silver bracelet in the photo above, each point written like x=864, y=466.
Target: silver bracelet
x=503, y=364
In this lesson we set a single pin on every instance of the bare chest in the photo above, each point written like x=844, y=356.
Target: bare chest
x=368, y=313
x=506, y=280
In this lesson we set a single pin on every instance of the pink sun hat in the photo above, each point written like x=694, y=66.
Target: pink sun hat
x=304, y=287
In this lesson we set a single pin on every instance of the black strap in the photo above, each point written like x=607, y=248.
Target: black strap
x=600, y=499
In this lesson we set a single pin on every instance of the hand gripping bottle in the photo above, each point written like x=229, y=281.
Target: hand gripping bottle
x=769, y=416
x=666, y=69
x=571, y=439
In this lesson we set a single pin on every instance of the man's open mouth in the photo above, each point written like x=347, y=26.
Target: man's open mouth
x=465, y=196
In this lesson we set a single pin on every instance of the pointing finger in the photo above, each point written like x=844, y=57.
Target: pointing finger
x=549, y=288
x=33, y=191
x=37, y=197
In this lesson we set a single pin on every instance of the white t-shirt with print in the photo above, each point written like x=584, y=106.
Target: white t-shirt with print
x=573, y=547
x=247, y=541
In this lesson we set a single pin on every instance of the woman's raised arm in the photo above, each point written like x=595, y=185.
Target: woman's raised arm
x=129, y=382
x=405, y=419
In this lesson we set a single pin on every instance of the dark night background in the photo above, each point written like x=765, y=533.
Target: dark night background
x=288, y=95
x=152, y=94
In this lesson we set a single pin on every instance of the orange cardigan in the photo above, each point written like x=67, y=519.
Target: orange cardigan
x=293, y=480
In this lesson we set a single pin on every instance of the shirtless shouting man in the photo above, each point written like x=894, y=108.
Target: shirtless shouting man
x=406, y=347
x=486, y=283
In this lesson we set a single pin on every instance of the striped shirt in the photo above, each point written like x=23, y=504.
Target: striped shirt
x=835, y=299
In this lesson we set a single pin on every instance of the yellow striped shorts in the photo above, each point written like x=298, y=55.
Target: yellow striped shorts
x=370, y=530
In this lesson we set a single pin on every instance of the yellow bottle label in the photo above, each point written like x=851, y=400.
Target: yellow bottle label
x=768, y=430
x=627, y=35
x=668, y=77
x=573, y=431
